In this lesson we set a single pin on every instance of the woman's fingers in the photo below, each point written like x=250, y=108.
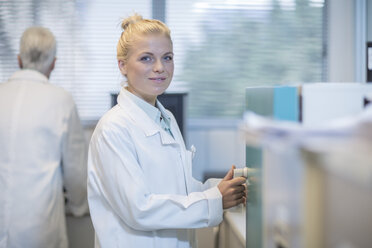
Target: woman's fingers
x=233, y=190
x=237, y=181
x=230, y=173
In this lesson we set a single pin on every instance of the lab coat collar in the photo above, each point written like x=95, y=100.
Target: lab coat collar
x=163, y=113
x=29, y=75
x=148, y=125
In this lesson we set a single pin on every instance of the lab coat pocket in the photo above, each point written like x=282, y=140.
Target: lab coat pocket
x=190, y=154
x=188, y=160
x=193, y=151
x=188, y=170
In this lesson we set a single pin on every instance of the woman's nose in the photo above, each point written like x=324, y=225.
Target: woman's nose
x=158, y=67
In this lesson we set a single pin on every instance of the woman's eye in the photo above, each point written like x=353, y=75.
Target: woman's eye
x=168, y=58
x=146, y=58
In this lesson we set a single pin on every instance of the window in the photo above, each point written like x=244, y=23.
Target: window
x=224, y=46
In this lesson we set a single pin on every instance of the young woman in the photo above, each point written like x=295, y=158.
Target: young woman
x=141, y=191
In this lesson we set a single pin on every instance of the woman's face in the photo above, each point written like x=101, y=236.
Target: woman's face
x=149, y=67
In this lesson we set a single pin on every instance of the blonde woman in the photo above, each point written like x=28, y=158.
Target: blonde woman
x=141, y=191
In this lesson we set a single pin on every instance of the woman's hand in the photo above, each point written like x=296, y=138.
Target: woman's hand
x=233, y=190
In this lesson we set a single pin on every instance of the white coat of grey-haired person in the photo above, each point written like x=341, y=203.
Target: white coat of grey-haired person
x=42, y=150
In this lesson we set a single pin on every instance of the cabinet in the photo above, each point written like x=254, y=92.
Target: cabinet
x=276, y=213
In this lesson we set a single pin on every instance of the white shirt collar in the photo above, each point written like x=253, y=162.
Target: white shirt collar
x=29, y=75
x=153, y=112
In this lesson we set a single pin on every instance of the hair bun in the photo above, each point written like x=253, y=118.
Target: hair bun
x=132, y=19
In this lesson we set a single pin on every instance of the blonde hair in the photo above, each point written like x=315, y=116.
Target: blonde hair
x=37, y=49
x=135, y=26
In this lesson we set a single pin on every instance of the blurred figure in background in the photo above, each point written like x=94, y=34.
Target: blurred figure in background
x=42, y=150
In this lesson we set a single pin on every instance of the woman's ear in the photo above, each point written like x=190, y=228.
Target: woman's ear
x=122, y=67
x=20, y=64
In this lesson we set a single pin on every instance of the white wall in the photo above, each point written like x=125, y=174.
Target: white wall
x=341, y=38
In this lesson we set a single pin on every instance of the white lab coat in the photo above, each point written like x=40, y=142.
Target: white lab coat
x=42, y=149
x=141, y=192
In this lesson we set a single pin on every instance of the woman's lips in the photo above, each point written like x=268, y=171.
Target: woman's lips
x=158, y=79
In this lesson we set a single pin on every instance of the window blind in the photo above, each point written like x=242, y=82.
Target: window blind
x=221, y=47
